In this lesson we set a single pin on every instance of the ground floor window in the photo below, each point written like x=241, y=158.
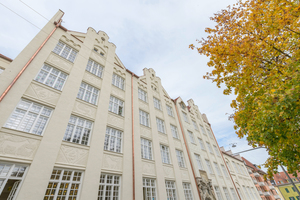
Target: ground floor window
x=11, y=176
x=63, y=184
x=171, y=190
x=149, y=189
x=109, y=187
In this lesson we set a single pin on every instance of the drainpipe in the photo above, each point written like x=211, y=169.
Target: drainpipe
x=133, y=164
x=185, y=143
x=30, y=60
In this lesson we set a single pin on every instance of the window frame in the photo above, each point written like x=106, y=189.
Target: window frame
x=160, y=125
x=83, y=93
x=69, y=57
x=144, y=118
x=185, y=117
x=157, y=103
x=112, y=186
x=218, y=193
x=216, y=150
x=95, y=68
x=116, y=103
x=142, y=95
x=180, y=158
x=165, y=154
x=195, y=125
x=148, y=153
x=209, y=167
x=170, y=110
x=209, y=148
x=217, y=169
x=187, y=190
x=151, y=187
x=108, y=140
x=191, y=136
x=174, y=131
x=199, y=161
x=171, y=190
x=202, y=146
x=118, y=81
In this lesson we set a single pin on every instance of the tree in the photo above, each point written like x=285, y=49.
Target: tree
x=254, y=50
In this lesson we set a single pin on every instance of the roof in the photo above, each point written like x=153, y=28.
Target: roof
x=6, y=58
x=282, y=177
x=250, y=164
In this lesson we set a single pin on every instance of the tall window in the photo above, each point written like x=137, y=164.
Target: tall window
x=88, y=93
x=244, y=188
x=255, y=194
x=180, y=159
x=95, y=68
x=185, y=117
x=199, y=162
x=52, y=77
x=202, y=129
x=227, y=195
x=156, y=103
x=224, y=170
x=160, y=125
x=240, y=194
x=78, y=130
x=149, y=189
x=187, y=191
x=65, y=51
x=118, y=81
x=170, y=111
x=195, y=125
x=217, y=169
x=228, y=165
x=142, y=95
x=201, y=144
x=174, y=131
x=109, y=187
x=191, y=135
x=218, y=193
x=63, y=184
x=146, y=149
x=209, y=167
x=171, y=190
x=29, y=117
x=241, y=169
x=144, y=118
x=116, y=105
x=210, y=133
x=236, y=169
x=250, y=193
x=113, y=140
x=234, y=194
x=209, y=148
x=216, y=150
x=165, y=155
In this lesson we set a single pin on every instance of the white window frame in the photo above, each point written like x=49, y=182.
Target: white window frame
x=245, y=190
x=185, y=117
x=51, y=77
x=250, y=193
x=171, y=190
x=165, y=154
x=61, y=179
x=113, y=140
x=201, y=144
x=218, y=193
x=227, y=195
x=146, y=149
x=210, y=133
x=228, y=165
x=111, y=185
x=116, y=105
x=94, y=68
x=199, y=161
x=216, y=150
x=191, y=136
x=144, y=118
x=217, y=169
x=210, y=170
x=170, y=111
x=187, y=191
x=224, y=171
x=160, y=125
x=118, y=81
x=142, y=95
x=202, y=129
x=149, y=189
x=61, y=50
x=23, y=115
x=209, y=148
x=236, y=168
x=78, y=130
x=157, y=103
x=180, y=158
x=174, y=131
x=233, y=193
x=88, y=93
x=195, y=125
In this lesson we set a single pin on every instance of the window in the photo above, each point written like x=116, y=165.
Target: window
x=242, y=169
x=210, y=133
x=218, y=193
x=11, y=176
x=209, y=167
x=78, y=130
x=170, y=111
x=52, y=77
x=116, y=105
x=240, y=194
x=209, y=148
x=118, y=81
x=142, y=95
x=65, y=51
x=195, y=125
x=216, y=150
x=182, y=105
x=191, y=135
x=109, y=187
x=224, y=170
x=171, y=190
x=185, y=117
x=113, y=140
x=199, y=162
x=217, y=169
x=174, y=131
x=201, y=144
x=250, y=193
x=180, y=159
x=165, y=156
x=95, y=68
x=156, y=103
x=144, y=118
x=160, y=125
x=149, y=189
x=88, y=93
x=63, y=184
x=247, y=195
x=146, y=148
x=287, y=190
x=293, y=189
x=29, y=117
x=236, y=169
x=234, y=194
x=228, y=165
x=227, y=195
x=292, y=198
x=187, y=191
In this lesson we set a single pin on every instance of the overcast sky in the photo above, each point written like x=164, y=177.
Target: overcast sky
x=148, y=34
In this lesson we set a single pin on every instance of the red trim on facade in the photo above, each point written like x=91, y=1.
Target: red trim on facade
x=143, y=82
x=133, y=74
x=133, y=164
x=6, y=58
x=119, y=65
x=77, y=38
x=60, y=26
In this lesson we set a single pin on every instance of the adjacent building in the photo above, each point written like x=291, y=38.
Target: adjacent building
x=283, y=184
x=76, y=124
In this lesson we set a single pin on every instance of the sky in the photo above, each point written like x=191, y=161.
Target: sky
x=148, y=34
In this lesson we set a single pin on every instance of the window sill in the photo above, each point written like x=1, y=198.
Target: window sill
x=148, y=160
x=143, y=101
x=114, y=114
x=167, y=164
x=113, y=153
x=64, y=58
x=177, y=139
x=148, y=127
x=73, y=144
x=183, y=168
x=21, y=133
x=119, y=88
x=86, y=103
x=47, y=87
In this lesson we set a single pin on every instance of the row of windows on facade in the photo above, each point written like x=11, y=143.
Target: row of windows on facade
x=66, y=184
x=238, y=168
x=249, y=193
